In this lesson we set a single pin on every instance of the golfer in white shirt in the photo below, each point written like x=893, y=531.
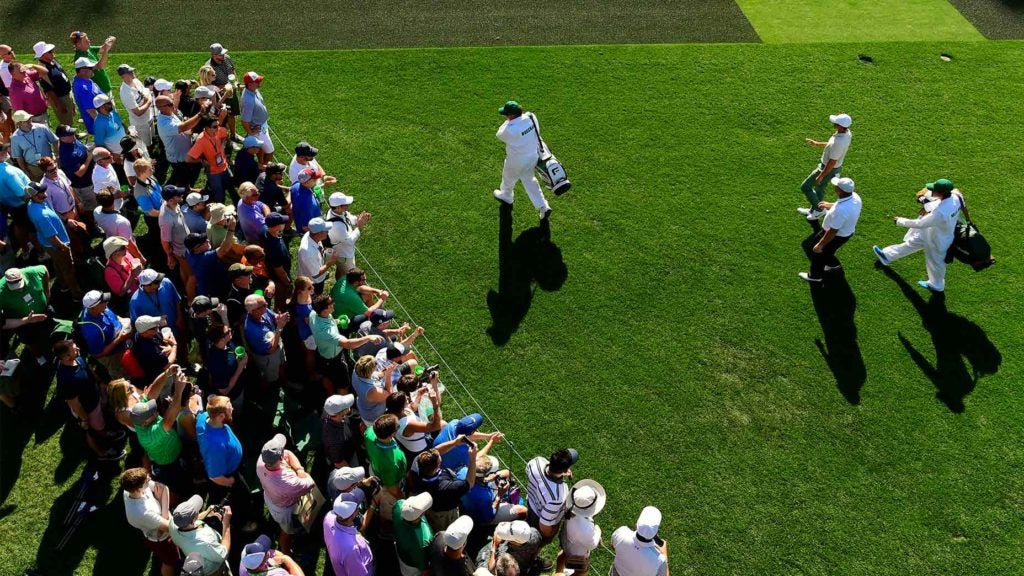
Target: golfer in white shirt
x=838, y=227
x=830, y=166
x=520, y=133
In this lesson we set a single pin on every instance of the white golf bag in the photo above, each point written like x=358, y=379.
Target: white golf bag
x=549, y=169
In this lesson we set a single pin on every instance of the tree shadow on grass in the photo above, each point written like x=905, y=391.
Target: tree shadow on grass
x=836, y=305
x=531, y=257
x=954, y=339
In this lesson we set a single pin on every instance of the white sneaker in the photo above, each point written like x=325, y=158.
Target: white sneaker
x=804, y=211
x=506, y=199
x=815, y=214
x=807, y=277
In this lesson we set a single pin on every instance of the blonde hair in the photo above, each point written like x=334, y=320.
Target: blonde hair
x=142, y=164
x=217, y=405
x=207, y=75
x=245, y=189
x=365, y=366
x=120, y=392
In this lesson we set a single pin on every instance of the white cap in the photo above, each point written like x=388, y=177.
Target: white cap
x=143, y=323
x=516, y=531
x=84, y=62
x=162, y=85
x=415, y=506
x=195, y=198
x=317, y=226
x=457, y=533
x=344, y=478
x=647, y=525
x=94, y=297
x=340, y=199
x=100, y=100
x=338, y=403
x=843, y=120
x=345, y=505
x=148, y=276
x=203, y=92
x=41, y=48
x=587, y=498
x=844, y=184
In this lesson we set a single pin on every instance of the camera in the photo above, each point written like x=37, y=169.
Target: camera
x=428, y=373
x=502, y=483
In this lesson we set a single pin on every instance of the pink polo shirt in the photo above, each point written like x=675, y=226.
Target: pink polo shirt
x=282, y=487
x=27, y=95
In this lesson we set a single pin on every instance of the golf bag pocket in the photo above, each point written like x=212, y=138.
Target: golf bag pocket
x=551, y=172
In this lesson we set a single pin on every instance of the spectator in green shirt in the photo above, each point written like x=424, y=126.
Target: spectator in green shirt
x=348, y=294
x=413, y=534
x=84, y=48
x=24, y=297
x=388, y=462
x=158, y=436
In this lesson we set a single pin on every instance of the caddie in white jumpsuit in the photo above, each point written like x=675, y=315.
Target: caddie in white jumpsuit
x=933, y=232
x=522, y=149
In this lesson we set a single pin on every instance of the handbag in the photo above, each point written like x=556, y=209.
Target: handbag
x=308, y=507
x=550, y=170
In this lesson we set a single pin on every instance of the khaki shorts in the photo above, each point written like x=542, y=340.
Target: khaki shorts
x=269, y=365
x=285, y=518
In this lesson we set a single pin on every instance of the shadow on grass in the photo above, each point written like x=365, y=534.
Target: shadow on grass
x=531, y=257
x=954, y=339
x=17, y=427
x=835, y=305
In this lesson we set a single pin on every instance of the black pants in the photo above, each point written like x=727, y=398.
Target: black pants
x=238, y=496
x=827, y=257
x=184, y=174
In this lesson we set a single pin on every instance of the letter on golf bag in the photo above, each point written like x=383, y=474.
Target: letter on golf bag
x=549, y=169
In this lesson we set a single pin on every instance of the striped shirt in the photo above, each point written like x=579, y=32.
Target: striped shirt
x=546, y=497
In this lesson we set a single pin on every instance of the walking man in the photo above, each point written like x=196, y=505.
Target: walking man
x=838, y=227
x=830, y=166
x=933, y=231
x=520, y=133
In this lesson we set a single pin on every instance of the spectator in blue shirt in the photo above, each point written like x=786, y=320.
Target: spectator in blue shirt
x=157, y=296
x=247, y=166
x=12, y=181
x=176, y=135
x=263, y=336
x=209, y=266
x=53, y=237
x=222, y=455
x=458, y=456
x=107, y=125
x=278, y=257
x=30, y=143
x=105, y=336
x=305, y=204
x=195, y=212
x=76, y=162
x=85, y=90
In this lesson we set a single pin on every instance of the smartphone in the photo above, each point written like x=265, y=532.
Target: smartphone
x=468, y=441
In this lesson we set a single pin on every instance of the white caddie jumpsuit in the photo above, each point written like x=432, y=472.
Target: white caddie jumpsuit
x=933, y=233
x=521, y=153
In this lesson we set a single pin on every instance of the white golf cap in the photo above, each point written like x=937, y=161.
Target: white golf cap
x=195, y=198
x=162, y=85
x=15, y=278
x=40, y=48
x=338, y=403
x=414, y=507
x=100, y=100
x=345, y=505
x=516, y=531
x=843, y=120
x=844, y=184
x=647, y=525
x=143, y=323
x=317, y=226
x=84, y=62
x=345, y=477
x=340, y=199
x=149, y=276
x=94, y=297
x=457, y=533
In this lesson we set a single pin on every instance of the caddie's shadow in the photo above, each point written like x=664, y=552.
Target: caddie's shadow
x=835, y=305
x=531, y=257
x=954, y=338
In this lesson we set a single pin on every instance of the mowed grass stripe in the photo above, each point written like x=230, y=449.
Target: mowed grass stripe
x=857, y=20
x=167, y=25
x=679, y=355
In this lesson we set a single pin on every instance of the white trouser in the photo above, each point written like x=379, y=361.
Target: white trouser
x=934, y=259
x=521, y=168
x=143, y=128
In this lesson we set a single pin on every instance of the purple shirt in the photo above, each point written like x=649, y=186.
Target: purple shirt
x=349, y=553
x=250, y=217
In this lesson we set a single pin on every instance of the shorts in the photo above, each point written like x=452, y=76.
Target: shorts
x=285, y=518
x=264, y=137
x=165, y=551
x=387, y=504
x=310, y=343
x=269, y=365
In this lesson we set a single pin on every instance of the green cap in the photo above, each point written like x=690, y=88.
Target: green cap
x=258, y=292
x=942, y=186
x=510, y=107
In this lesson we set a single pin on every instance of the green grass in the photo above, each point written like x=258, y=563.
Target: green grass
x=857, y=20
x=679, y=355
x=166, y=26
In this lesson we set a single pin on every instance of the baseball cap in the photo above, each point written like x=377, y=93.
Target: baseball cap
x=275, y=219
x=844, y=184
x=251, y=142
x=843, y=120
x=162, y=84
x=113, y=244
x=127, y=144
x=340, y=199
x=276, y=168
x=317, y=225
x=395, y=350
x=143, y=411
x=251, y=76
x=253, y=555
x=40, y=48
x=203, y=303
x=379, y=316
x=149, y=276
x=216, y=49
x=415, y=506
x=647, y=525
x=84, y=62
x=238, y=269
x=124, y=69
x=457, y=533
x=187, y=512
x=143, y=323
x=193, y=565
x=195, y=198
x=34, y=188
x=94, y=297
x=64, y=130
x=510, y=107
x=203, y=92
x=273, y=450
x=170, y=191
x=21, y=116
x=942, y=186
x=345, y=477
x=587, y=498
x=345, y=505
x=307, y=174
x=100, y=100
x=15, y=279
x=468, y=424
x=562, y=460
x=338, y=403
x=305, y=149
x=516, y=531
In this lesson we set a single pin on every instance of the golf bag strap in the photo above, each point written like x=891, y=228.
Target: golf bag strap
x=536, y=130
